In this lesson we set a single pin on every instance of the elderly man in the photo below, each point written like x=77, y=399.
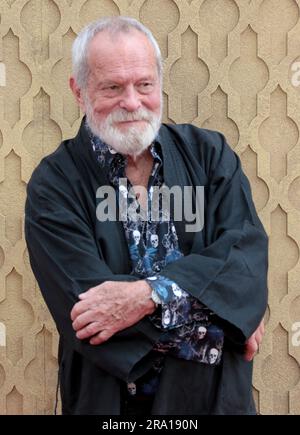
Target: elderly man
x=130, y=312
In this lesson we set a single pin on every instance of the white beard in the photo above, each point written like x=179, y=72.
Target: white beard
x=132, y=142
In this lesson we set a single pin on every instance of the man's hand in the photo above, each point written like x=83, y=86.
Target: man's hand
x=110, y=307
x=254, y=341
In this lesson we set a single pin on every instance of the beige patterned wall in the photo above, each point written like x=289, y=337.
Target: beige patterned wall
x=231, y=65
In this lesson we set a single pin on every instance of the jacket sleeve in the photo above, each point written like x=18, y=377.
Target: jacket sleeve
x=66, y=262
x=229, y=275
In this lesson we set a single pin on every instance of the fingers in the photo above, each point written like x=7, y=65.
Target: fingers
x=79, y=308
x=262, y=327
x=84, y=319
x=258, y=337
x=89, y=330
x=93, y=330
x=100, y=312
x=259, y=333
x=89, y=302
x=248, y=356
x=251, y=348
x=95, y=333
x=101, y=337
x=252, y=344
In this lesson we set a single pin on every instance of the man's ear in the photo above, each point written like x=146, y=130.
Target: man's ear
x=77, y=93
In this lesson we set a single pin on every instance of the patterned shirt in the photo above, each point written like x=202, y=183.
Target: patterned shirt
x=190, y=332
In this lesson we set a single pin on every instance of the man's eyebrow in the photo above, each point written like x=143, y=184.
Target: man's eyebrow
x=147, y=78
x=107, y=82
x=120, y=80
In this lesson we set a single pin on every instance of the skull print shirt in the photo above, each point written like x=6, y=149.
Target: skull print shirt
x=190, y=330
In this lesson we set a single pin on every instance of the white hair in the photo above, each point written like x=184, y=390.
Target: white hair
x=114, y=25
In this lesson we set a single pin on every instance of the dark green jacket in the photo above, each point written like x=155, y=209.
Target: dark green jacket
x=224, y=265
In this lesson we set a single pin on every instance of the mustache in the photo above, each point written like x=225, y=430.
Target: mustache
x=122, y=115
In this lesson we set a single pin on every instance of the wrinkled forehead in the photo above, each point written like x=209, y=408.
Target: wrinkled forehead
x=121, y=49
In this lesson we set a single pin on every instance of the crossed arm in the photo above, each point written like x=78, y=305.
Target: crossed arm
x=66, y=260
x=113, y=306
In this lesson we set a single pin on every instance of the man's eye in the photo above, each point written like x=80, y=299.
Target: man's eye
x=146, y=86
x=112, y=88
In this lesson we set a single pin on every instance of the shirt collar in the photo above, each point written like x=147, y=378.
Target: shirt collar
x=107, y=157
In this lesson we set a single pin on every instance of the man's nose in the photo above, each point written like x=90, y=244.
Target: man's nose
x=130, y=100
